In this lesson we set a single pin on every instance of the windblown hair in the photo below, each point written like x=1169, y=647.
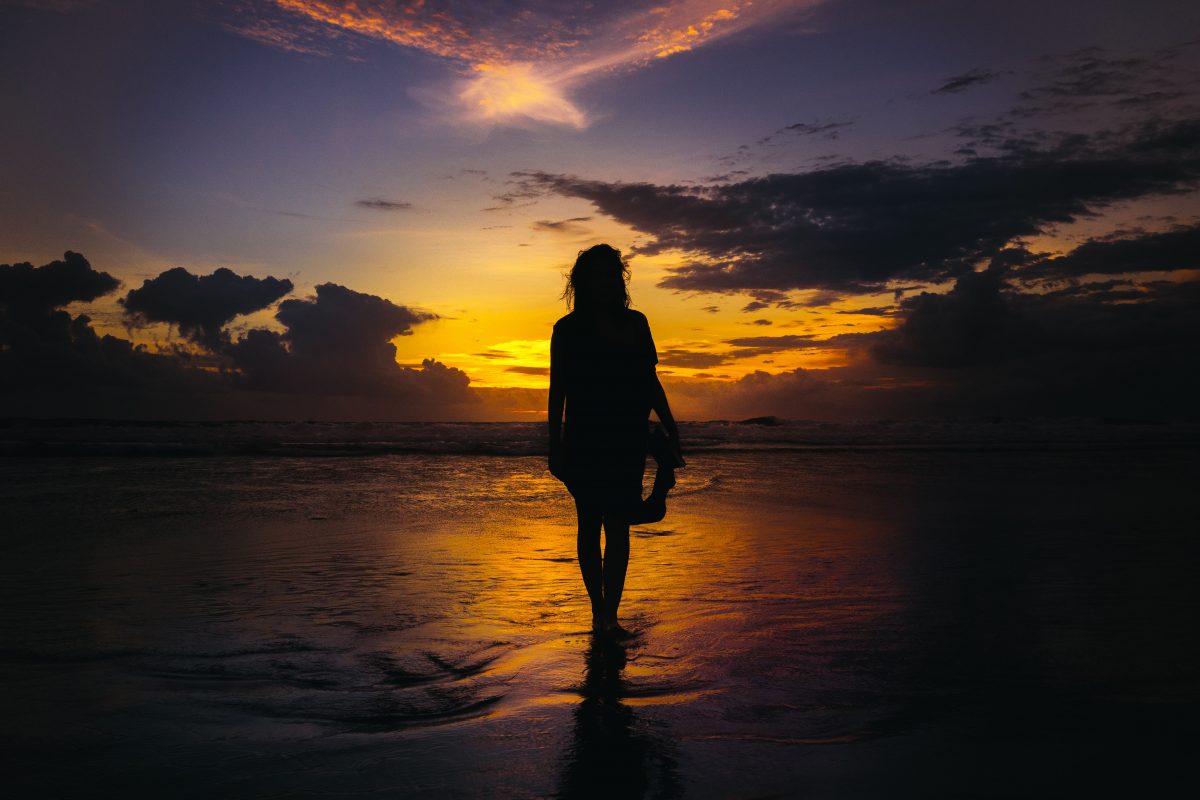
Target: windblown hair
x=599, y=281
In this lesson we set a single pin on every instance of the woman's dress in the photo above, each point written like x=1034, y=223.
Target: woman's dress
x=606, y=368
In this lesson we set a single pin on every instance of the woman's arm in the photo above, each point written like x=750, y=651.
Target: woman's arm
x=658, y=401
x=554, y=411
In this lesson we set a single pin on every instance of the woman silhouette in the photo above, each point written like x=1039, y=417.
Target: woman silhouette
x=602, y=361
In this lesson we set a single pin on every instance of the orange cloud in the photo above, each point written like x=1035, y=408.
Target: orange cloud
x=519, y=61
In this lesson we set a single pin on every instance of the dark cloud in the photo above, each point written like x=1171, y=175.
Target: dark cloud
x=857, y=226
x=379, y=204
x=1172, y=250
x=337, y=342
x=986, y=349
x=332, y=360
x=971, y=324
x=874, y=311
x=1094, y=78
x=26, y=289
x=1093, y=72
x=572, y=225
x=766, y=298
x=690, y=359
x=45, y=348
x=798, y=393
x=523, y=370
x=985, y=320
x=824, y=129
x=201, y=305
x=763, y=345
x=725, y=177
x=967, y=80
x=817, y=127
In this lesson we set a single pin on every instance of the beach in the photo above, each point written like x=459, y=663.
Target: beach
x=923, y=614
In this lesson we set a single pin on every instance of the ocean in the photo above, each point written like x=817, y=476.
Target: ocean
x=248, y=609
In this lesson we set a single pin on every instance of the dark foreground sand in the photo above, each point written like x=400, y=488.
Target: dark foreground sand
x=831, y=624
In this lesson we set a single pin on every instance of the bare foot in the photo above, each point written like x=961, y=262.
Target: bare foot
x=613, y=630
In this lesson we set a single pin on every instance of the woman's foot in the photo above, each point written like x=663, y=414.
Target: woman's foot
x=614, y=631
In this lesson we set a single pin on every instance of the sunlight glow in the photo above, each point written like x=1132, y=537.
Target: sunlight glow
x=500, y=93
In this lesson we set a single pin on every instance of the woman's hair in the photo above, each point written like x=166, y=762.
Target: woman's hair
x=598, y=281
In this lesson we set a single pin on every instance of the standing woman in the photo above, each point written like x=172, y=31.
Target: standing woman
x=602, y=371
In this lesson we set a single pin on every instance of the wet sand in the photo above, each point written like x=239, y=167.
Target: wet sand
x=896, y=623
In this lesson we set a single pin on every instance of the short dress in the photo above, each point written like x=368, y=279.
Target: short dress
x=606, y=368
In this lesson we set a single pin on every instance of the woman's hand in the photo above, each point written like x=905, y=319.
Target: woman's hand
x=673, y=440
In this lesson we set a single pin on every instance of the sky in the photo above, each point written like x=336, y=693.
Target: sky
x=832, y=209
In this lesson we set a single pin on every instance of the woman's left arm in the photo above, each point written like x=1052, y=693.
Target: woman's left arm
x=658, y=402
x=658, y=396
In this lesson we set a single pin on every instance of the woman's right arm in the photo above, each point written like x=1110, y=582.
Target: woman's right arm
x=558, y=398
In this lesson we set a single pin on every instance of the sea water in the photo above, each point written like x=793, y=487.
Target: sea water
x=249, y=609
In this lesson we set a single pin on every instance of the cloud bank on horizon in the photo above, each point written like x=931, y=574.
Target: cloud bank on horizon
x=333, y=357
x=516, y=61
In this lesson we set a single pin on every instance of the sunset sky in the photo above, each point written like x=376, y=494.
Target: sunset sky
x=839, y=209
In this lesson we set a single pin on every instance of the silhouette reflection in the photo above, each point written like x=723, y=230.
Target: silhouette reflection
x=614, y=753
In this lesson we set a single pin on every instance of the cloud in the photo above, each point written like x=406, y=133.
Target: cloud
x=797, y=393
x=972, y=324
x=333, y=359
x=29, y=290
x=873, y=311
x=690, y=359
x=825, y=129
x=1094, y=78
x=336, y=342
x=989, y=348
x=570, y=226
x=967, y=80
x=1154, y=252
x=985, y=349
x=519, y=60
x=379, y=204
x=201, y=305
x=857, y=226
x=763, y=345
x=47, y=349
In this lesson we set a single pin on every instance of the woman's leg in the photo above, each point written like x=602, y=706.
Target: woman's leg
x=587, y=545
x=616, y=563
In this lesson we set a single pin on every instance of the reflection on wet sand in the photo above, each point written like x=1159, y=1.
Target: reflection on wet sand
x=849, y=624
x=613, y=753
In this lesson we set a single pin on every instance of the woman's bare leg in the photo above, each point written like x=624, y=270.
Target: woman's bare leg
x=616, y=563
x=587, y=546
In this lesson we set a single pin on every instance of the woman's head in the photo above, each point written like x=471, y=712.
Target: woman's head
x=598, y=281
